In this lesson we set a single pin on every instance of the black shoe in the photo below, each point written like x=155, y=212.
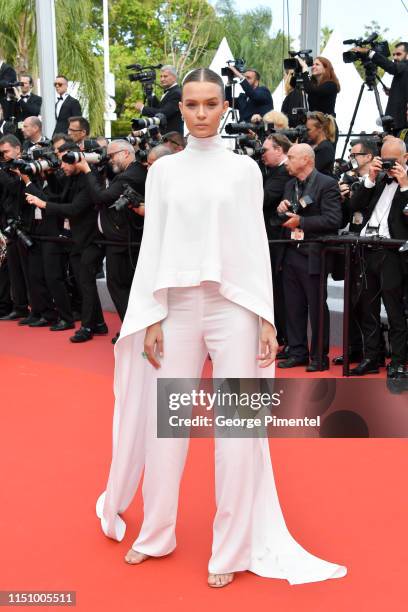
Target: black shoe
x=314, y=365
x=27, y=320
x=395, y=370
x=83, y=334
x=354, y=357
x=14, y=315
x=62, y=326
x=41, y=322
x=114, y=339
x=100, y=330
x=284, y=353
x=292, y=362
x=367, y=366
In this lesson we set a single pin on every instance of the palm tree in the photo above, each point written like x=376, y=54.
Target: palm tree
x=79, y=56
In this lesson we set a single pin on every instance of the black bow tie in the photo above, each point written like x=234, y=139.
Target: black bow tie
x=60, y=98
x=389, y=179
x=25, y=97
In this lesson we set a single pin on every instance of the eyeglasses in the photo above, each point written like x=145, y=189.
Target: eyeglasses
x=355, y=154
x=165, y=139
x=56, y=84
x=111, y=155
x=70, y=129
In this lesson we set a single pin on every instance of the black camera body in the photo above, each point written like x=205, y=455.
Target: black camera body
x=146, y=75
x=15, y=228
x=291, y=63
x=238, y=63
x=378, y=46
x=129, y=197
x=252, y=147
x=296, y=206
x=388, y=163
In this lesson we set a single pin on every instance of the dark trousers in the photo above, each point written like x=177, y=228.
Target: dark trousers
x=17, y=267
x=55, y=262
x=119, y=276
x=301, y=291
x=278, y=296
x=40, y=297
x=6, y=305
x=384, y=279
x=86, y=265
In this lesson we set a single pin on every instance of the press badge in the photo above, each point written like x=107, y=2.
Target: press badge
x=297, y=234
x=357, y=218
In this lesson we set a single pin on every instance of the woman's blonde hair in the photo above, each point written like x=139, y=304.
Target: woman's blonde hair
x=327, y=123
x=279, y=120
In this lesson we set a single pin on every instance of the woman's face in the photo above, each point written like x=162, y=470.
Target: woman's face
x=202, y=107
x=317, y=68
x=314, y=130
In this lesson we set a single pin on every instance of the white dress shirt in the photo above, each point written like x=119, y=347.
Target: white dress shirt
x=59, y=103
x=379, y=216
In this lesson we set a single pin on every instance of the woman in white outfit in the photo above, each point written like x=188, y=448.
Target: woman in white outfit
x=202, y=285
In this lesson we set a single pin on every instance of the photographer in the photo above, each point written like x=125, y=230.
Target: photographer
x=168, y=104
x=85, y=256
x=274, y=158
x=361, y=155
x=26, y=286
x=32, y=132
x=321, y=134
x=27, y=104
x=315, y=198
x=121, y=226
x=8, y=78
x=256, y=99
x=79, y=129
x=383, y=198
x=398, y=93
x=322, y=87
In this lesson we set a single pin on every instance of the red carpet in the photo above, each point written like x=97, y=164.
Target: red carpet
x=344, y=500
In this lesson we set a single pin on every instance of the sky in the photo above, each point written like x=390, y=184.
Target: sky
x=348, y=17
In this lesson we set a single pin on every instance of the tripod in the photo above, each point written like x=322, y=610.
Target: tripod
x=370, y=82
x=232, y=111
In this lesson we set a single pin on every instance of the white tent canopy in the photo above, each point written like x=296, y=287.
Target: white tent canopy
x=350, y=83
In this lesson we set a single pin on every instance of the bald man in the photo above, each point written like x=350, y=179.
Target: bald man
x=383, y=198
x=312, y=206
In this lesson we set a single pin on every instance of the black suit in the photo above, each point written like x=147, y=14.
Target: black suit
x=7, y=75
x=398, y=97
x=124, y=226
x=69, y=108
x=385, y=273
x=254, y=101
x=85, y=257
x=168, y=106
x=30, y=107
x=274, y=186
x=301, y=263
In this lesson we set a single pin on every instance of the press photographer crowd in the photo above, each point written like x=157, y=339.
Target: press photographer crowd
x=69, y=202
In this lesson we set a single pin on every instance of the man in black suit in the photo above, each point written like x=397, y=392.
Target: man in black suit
x=274, y=157
x=33, y=136
x=316, y=200
x=7, y=75
x=85, y=256
x=27, y=103
x=256, y=99
x=122, y=226
x=65, y=107
x=383, y=196
x=168, y=104
x=398, y=93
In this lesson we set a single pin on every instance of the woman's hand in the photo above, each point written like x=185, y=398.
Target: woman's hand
x=269, y=345
x=32, y=199
x=153, y=343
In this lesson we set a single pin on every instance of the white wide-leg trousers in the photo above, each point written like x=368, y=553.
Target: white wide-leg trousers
x=249, y=532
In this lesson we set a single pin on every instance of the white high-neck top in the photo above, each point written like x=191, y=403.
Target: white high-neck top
x=203, y=222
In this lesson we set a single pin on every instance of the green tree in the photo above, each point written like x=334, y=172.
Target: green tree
x=79, y=54
x=325, y=34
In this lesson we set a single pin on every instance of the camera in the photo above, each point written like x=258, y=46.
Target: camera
x=352, y=181
x=341, y=166
x=92, y=157
x=388, y=163
x=405, y=211
x=129, y=197
x=249, y=146
x=157, y=120
x=380, y=47
x=15, y=228
x=296, y=205
x=238, y=63
x=146, y=75
x=291, y=63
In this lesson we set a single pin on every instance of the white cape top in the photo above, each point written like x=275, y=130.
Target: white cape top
x=203, y=222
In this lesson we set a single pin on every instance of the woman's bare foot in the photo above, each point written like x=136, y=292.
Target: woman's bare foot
x=134, y=558
x=219, y=580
